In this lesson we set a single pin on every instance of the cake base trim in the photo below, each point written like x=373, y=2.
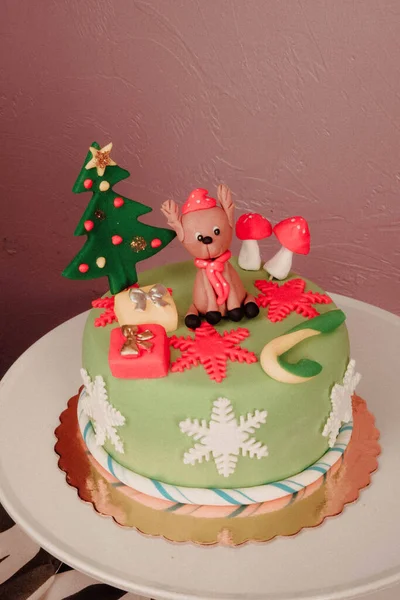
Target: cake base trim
x=279, y=490
x=110, y=498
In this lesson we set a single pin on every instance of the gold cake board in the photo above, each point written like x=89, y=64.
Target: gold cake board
x=340, y=487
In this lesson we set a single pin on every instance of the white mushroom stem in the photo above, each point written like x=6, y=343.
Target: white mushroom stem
x=279, y=265
x=249, y=256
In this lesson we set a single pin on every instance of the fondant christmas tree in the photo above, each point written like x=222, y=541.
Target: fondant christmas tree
x=116, y=240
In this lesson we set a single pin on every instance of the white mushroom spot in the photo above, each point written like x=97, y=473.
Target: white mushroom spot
x=304, y=230
x=250, y=216
x=292, y=220
x=192, y=195
x=298, y=226
x=211, y=270
x=225, y=283
x=198, y=201
x=217, y=284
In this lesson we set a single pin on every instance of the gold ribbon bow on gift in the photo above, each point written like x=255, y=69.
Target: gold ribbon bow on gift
x=155, y=295
x=135, y=341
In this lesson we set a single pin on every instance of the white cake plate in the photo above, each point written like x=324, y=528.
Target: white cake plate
x=348, y=556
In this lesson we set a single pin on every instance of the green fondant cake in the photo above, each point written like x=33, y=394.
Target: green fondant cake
x=196, y=392
x=153, y=438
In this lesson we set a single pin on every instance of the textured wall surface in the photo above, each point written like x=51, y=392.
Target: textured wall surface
x=296, y=105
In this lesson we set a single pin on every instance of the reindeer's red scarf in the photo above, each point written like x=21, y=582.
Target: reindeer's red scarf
x=214, y=268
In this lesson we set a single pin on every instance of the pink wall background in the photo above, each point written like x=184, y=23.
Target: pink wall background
x=296, y=105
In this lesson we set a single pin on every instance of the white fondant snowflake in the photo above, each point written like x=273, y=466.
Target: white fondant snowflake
x=104, y=416
x=341, y=403
x=224, y=437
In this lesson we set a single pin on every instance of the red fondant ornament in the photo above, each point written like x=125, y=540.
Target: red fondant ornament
x=149, y=363
x=212, y=350
x=287, y=298
x=88, y=225
x=87, y=184
x=118, y=202
x=155, y=243
x=116, y=240
x=83, y=268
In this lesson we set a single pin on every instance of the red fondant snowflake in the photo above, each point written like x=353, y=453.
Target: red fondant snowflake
x=287, y=298
x=108, y=316
x=212, y=350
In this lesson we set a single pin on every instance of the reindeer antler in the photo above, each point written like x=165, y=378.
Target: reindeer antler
x=225, y=198
x=170, y=210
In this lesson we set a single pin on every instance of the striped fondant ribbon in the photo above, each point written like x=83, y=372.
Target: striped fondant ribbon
x=214, y=496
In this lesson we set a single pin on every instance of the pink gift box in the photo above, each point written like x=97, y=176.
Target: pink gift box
x=149, y=364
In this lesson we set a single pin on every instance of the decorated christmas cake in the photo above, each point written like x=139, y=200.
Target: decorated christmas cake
x=211, y=382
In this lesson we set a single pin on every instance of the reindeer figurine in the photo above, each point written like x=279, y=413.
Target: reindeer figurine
x=205, y=229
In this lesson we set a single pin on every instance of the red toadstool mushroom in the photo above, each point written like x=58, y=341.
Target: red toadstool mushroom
x=294, y=235
x=250, y=228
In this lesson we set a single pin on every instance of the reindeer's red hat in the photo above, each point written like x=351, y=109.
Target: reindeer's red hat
x=198, y=200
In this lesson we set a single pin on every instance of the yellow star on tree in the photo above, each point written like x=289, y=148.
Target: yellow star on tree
x=100, y=159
